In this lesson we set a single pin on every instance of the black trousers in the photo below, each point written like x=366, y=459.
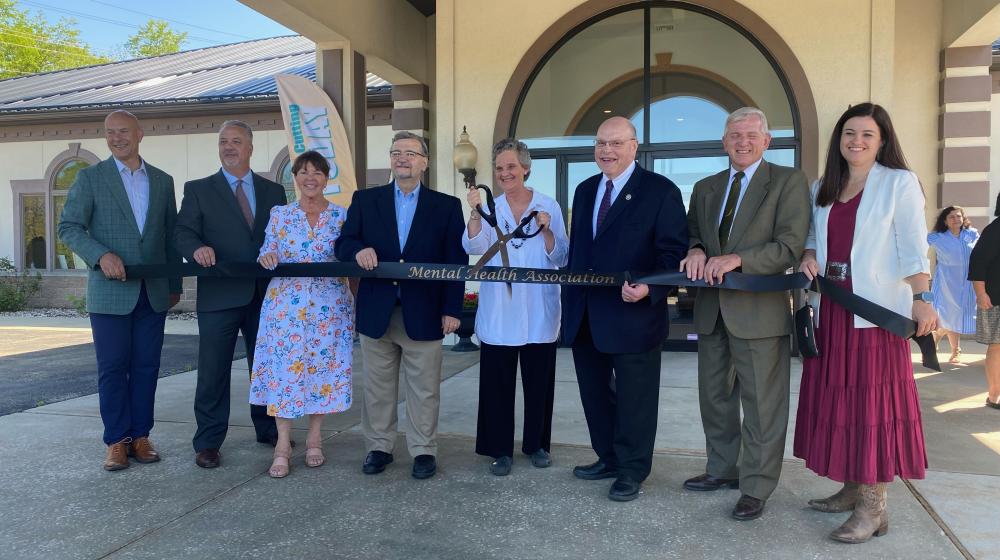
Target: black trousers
x=497, y=387
x=217, y=334
x=620, y=395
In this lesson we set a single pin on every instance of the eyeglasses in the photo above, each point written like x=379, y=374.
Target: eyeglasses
x=408, y=154
x=616, y=144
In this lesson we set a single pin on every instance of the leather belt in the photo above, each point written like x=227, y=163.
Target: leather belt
x=837, y=271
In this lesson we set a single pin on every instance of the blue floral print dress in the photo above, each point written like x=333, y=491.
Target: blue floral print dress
x=306, y=334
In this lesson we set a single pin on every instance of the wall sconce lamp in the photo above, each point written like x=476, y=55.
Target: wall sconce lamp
x=465, y=158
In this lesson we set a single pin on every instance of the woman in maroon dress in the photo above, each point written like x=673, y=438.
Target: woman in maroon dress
x=858, y=420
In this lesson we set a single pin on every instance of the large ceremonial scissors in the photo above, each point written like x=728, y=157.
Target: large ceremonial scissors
x=502, y=238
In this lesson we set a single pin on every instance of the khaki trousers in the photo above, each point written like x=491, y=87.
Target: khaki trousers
x=753, y=373
x=387, y=359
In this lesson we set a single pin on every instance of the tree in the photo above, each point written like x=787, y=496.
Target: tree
x=30, y=44
x=154, y=38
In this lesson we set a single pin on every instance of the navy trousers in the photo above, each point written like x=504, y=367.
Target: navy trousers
x=128, y=362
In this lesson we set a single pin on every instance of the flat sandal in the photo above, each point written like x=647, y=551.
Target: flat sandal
x=278, y=470
x=316, y=458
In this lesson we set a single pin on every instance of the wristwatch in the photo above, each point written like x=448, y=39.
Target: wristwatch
x=925, y=297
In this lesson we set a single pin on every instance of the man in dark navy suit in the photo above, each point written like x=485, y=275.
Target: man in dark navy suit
x=625, y=219
x=402, y=322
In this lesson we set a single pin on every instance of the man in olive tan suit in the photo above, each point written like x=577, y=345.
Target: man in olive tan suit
x=752, y=218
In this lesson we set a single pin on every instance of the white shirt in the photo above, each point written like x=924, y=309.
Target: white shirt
x=619, y=184
x=744, y=183
x=137, y=189
x=531, y=313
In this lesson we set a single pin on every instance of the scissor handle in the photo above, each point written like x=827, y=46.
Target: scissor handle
x=519, y=231
x=490, y=218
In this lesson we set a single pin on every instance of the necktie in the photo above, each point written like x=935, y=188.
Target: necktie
x=244, y=202
x=602, y=210
x=727, y=216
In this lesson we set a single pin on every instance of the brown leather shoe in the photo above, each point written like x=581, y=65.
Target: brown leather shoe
x=208, y=458
x=117, y=457
x=142, y=450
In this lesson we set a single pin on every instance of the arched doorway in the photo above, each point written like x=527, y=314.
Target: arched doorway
x=676, y=69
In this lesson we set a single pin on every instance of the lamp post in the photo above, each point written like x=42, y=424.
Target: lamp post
x=465, y=158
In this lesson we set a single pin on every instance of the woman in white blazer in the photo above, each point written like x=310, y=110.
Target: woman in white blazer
x=858, y=420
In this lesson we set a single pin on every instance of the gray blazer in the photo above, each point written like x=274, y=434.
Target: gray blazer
x=768, y=233
x=98, y=218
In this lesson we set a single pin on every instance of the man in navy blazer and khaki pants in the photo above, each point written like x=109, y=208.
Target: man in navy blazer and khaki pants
x=625, y=219
x=402, y=322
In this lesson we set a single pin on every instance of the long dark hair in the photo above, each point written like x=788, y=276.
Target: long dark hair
x=836, y=174
x=941, y=226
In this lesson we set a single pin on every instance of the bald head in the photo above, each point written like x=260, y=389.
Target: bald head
x=122, y=131
x=615, y=146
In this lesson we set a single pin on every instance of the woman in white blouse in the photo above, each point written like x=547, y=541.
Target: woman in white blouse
x=520, y=323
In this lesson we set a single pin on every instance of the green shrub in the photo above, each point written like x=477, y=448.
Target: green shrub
x=16, y=287
x=78, y=303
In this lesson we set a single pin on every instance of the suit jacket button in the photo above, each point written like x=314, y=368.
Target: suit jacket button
x=400, y=260
x=394, y=283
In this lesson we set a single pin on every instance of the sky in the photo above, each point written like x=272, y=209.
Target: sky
x=106, y=24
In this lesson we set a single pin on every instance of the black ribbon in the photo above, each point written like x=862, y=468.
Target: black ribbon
x=870, y=311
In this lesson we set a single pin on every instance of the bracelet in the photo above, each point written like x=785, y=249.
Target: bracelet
x=474, y=216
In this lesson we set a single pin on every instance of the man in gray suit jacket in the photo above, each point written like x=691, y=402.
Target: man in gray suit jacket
x=752, y=217
x=122, y=212
x=222, y=219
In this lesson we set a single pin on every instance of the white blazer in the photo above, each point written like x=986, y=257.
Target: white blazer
x=890, y=240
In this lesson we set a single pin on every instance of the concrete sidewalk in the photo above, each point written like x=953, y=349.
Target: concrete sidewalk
x=58, y=503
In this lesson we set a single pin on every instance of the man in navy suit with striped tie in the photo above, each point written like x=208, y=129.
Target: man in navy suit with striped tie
x=625, y=219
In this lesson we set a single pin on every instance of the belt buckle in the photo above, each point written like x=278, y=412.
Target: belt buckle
x=838, y=271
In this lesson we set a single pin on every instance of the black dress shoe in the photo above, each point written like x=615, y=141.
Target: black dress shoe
x=748, y=508
x=376, y=461
x=625, y=489
x=208, y=458
x=273, y=440
x=424, y=466
x=707, y=482
x=595, y=471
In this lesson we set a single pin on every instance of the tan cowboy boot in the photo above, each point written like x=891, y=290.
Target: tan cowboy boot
x=843, y=500
x=869, y=519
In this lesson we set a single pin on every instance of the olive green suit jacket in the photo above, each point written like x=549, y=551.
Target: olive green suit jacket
x=768, y=233
x=98, y=218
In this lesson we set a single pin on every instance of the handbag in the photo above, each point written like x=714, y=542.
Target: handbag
x=805, y=332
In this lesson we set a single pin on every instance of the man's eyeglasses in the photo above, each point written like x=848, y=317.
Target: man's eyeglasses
x=616, y=144
x=408, y=154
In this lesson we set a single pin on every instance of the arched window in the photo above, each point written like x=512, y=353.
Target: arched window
x=62, y=180
x=285, y=179
x=675, y=70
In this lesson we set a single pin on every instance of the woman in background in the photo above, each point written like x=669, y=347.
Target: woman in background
x=984, y=272
x=953, y=239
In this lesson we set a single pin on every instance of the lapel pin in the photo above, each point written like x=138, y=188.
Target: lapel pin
x=628, y=196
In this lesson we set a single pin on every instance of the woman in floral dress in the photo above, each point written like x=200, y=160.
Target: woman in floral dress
x=306, y=334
